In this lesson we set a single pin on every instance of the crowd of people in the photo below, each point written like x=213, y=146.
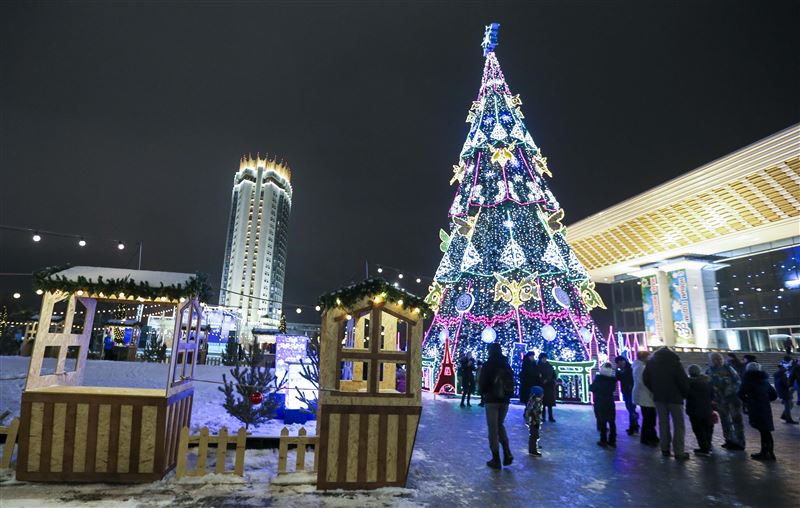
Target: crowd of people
x=656, y=384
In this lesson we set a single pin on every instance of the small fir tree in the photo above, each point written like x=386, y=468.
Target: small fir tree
x=247, y=383
x=155, y=350
x=233, y=352
x=310, y=372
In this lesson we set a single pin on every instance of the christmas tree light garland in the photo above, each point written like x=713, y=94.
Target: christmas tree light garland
x=507, y=247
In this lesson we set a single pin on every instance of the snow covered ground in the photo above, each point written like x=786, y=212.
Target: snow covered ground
x=207, y=410
x=254, y=489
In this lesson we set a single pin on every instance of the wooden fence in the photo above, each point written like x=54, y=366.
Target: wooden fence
x=203, y=440
x=301, y=441
x=11, y=440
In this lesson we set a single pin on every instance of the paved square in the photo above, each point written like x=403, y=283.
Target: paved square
x=452, y=449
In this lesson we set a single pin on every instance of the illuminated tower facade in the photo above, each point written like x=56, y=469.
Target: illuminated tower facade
x=255, y=252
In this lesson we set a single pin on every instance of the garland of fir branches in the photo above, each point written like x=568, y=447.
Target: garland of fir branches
x=349, y=296
x=46, y=280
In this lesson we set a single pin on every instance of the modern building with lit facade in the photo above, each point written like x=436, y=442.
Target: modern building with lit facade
x=255, y=251
x=710, y=259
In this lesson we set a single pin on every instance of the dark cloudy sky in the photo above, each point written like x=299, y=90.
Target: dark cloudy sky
x=126, y=120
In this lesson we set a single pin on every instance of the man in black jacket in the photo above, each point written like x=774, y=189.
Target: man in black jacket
x=495, y=377
x=547, y=375
x=665, y=377
x=625, y=378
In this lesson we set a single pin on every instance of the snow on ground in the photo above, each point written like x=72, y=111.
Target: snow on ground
x=207, y=410
x=213, y=490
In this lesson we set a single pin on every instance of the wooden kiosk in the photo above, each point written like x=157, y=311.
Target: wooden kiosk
x=70, y=432
x=370, y=386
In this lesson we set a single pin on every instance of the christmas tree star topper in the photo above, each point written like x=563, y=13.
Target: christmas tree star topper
x=490, y=38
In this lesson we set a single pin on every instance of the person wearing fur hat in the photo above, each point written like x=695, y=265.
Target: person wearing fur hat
x=603, y=388
x=699, y=410
x=643, y=398
x=757, y=394
x=533, y=418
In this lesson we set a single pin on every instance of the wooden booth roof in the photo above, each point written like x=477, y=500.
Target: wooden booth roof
x=347, y=298
x=140, y=284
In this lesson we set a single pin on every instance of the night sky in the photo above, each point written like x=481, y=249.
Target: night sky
x=127, y=120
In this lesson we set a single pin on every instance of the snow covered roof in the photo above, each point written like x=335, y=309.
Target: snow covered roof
x=95, y=273
x=348, y=296
x=139, y=284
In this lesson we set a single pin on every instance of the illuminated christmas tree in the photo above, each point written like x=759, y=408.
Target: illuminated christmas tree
x=507, y=273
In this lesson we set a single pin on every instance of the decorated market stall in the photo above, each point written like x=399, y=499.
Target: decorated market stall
x=370, y=385
x=71, y=432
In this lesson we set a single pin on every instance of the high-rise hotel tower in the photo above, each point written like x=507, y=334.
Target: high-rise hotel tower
x=255, y=252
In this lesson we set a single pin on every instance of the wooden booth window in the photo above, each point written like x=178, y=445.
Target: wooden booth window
x=184, y=345
x=373, y=352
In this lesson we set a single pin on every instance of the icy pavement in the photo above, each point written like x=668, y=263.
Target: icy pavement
x=574, y=471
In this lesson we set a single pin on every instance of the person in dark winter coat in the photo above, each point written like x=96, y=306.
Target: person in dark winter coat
x=547, y=374
x=603, y=388
x=699, y=409
x=757, y=393
x=466, y=370
x=496, y=384
x=665, y=377
x=528, y=376
x=794, y=378
x=784, y=389
x=533, y=419
x=625, y=378
x=736, y=364
x=725, y=383
x=108, y=346
x=478, y=376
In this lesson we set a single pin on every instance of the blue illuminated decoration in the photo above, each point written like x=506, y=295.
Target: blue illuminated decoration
x=464, y=302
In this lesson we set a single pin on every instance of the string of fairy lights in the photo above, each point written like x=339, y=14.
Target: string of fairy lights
x=129, y=310
x=39, y=235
